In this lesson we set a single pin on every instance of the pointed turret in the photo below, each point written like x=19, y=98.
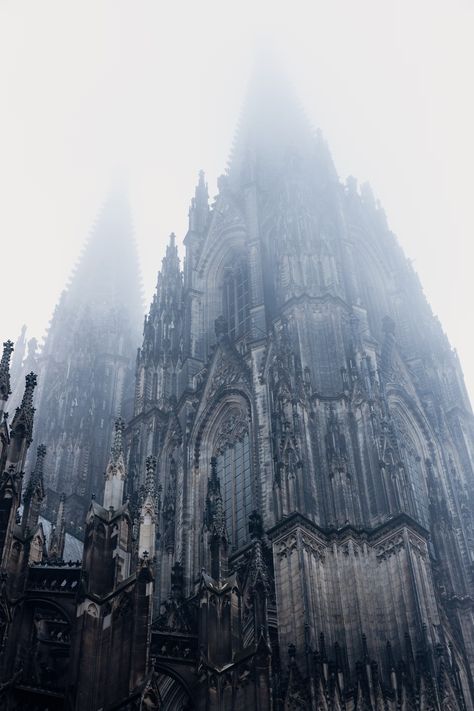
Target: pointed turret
x=115, y=473
x=21, y=430
x=199, y=210
x=214, y=521
x=168, y=293
x=58, y=533
x=158, y=358
x=25, y=360
x=34, y=494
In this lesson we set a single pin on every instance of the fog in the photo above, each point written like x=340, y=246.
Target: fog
x=150, y=92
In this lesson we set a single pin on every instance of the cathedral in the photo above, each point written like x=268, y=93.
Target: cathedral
x=269, y=505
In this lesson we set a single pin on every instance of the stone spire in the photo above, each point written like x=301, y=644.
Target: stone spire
x=115, y=473
x=159, y=356
x=22, y=424
x=214, y=521
x=87, y=360
x=58, y=533
x=168, y=295
x=274, y=134
x=5, y=373
x=199, y=209
x=34, y=494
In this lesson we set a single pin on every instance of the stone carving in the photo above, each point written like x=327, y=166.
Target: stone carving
x=232, y=430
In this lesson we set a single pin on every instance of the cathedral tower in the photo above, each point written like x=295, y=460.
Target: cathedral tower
x=86, y=365
x=287, y=518
x=295, y=377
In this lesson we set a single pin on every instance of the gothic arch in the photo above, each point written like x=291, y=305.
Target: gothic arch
x=228, y=417
x=50, y=603
x=227, y=228
x=217, y=284
x=169, y=688
x=413, y=436
x=48, y=649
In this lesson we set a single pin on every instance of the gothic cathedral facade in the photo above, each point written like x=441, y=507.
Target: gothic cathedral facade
x=287, y=517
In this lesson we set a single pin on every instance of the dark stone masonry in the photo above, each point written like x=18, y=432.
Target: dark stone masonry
x=286, y=518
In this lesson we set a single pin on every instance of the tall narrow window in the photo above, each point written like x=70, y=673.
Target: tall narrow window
x=417, y=491
x=414, y=469
x=236, y=299
x=234, y=472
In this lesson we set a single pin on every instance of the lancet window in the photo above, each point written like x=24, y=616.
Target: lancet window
x=416, y=476
x=232, y=452
x=413, y=464
x=236, y=299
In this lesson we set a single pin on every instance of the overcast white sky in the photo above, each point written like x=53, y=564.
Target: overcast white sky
x=152, y=90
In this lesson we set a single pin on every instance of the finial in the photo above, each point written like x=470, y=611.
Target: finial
x=5, y=370
x=199, y=211
x=201, y=188
x=7, y=351
x=40, y=455
x=30, y=384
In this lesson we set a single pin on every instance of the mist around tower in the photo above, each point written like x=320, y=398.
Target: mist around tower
x=259, y=494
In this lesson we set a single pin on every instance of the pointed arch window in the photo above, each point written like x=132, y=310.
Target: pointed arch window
x=236, y=299
x=416, y=477
x=413, y=465
x=232, y=452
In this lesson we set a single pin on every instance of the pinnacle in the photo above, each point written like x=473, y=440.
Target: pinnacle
x=37, y=474
x=40, y=456
x=116, y=462
x=150, y=474
x=5, y=370
x=31, y=380
x=117, y=446
x=272, y=120
x=7, y=351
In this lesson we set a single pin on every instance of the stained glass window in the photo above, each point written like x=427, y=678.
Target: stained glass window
x=234, y=472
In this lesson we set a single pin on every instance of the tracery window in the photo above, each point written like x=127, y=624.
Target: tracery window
x=232, y=452
x=414, y=469
x=236, y=299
